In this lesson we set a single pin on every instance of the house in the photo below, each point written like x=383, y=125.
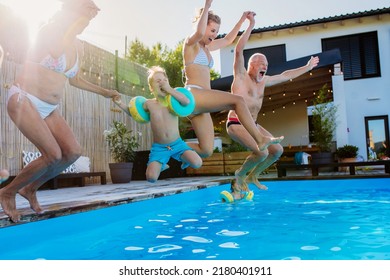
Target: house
x=354, y=52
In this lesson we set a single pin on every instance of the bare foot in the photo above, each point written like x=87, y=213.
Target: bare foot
x=253, y=179
x=8, y=204
x=267, y=141
x=164, y=167
x=31, y=196
x=4, y=175
x=184, y=165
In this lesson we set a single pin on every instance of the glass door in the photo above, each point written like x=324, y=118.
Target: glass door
x=377, y=136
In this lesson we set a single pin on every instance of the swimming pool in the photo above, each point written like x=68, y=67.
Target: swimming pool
x=308, y=220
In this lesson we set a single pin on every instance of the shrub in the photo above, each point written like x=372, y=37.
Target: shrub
x=324, y=120
x=347, y=151
x=121, y=142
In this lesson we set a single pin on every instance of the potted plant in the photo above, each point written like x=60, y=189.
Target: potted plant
x=324, y=125
x=122, y=145
x=347, y=153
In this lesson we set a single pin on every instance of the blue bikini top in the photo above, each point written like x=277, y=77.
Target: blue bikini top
x=202, y=59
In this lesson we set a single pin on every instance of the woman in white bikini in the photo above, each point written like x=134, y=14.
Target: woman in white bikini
x=3, y=172
x=34, y=97
x=197, y=64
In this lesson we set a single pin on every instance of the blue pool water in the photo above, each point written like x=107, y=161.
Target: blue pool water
x=308, y=220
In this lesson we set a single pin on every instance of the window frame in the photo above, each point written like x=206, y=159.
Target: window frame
x=356, y=53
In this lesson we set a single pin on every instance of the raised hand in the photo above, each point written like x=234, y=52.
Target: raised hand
x=207, y=3
x=313, y=62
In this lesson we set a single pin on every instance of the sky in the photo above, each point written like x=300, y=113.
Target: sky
x=170, y=21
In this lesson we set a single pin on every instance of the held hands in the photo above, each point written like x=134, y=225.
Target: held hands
x=111, y=93
x=247, y=15
x=313, y=62
x=117, y=99
x=251, y=16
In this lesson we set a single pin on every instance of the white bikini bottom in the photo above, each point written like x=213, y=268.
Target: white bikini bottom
x=189, y=87
x=43, y=108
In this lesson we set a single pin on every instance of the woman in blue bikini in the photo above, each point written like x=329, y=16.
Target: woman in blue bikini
x=197, y=64
x=33, y=99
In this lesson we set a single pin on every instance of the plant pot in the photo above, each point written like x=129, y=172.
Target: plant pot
x=345, y=168
x=121, y=172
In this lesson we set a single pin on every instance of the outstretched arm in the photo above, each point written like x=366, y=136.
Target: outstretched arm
x=79, y=82
x=239, y=64
x=293, y=73
x=118, y=101
x=230, y=37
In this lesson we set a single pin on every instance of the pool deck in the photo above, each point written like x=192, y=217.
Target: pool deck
x=70, y=200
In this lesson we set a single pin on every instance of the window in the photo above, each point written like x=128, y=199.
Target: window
x=276, y=55
x=359, y=52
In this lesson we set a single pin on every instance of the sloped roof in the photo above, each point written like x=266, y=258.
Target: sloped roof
x=374, y=12
x=323, y=20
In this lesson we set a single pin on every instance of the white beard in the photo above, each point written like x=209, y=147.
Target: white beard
x=259, y=78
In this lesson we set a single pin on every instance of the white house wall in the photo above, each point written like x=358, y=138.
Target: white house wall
x=290, y=122
x=303, y=41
